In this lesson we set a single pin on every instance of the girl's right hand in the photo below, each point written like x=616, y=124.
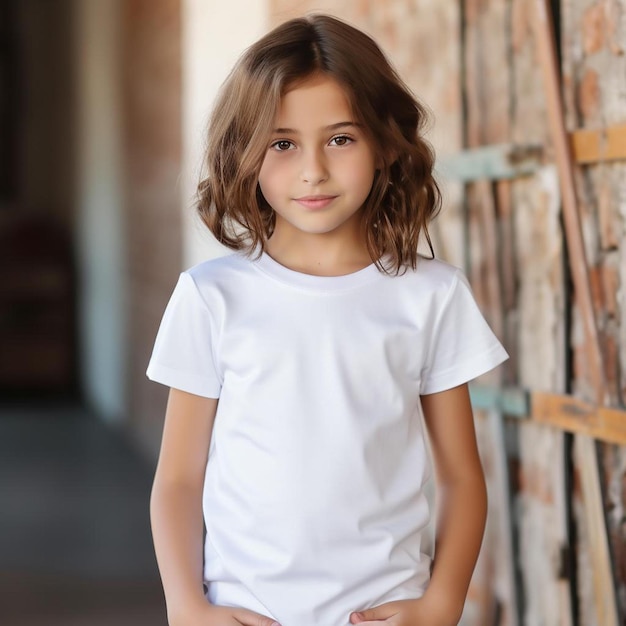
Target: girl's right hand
x=205, y=614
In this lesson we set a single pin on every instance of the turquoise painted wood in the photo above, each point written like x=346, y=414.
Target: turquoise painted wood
x=494, y=162
x=510, y=401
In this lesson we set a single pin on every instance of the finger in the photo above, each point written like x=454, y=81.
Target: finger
x=376, y=613
x=250, y=618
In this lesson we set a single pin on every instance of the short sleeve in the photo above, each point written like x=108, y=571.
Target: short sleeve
x=462, y=345
x=183, y=354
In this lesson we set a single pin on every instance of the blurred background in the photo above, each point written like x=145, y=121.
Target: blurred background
x=103, y=106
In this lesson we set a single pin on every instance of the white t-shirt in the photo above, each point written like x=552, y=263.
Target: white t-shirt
x=314, y=497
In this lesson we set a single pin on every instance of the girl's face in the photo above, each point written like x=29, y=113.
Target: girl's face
x=319, y=166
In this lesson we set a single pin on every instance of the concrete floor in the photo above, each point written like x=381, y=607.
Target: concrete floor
x=75, y=545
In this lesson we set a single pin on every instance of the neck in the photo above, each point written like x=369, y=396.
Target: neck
x=320, y=255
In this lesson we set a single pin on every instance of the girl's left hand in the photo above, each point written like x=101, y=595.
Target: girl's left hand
x=418, y=612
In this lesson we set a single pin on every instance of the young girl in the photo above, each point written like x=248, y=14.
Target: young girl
x=305, y=366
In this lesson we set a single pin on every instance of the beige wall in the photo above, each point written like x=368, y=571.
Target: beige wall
x=215, y=33
x=99, y=207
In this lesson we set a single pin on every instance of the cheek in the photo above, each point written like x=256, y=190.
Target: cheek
x=272, y=185
x=265, y=182
x=362, y=175
x=270, y=177
x=263, y=172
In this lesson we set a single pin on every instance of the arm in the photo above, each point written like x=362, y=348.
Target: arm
x=461, y=515
x=176, y=502
x=176, y=515
x=462, y=497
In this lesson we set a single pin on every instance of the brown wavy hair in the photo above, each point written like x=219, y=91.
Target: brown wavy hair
x=404, y=196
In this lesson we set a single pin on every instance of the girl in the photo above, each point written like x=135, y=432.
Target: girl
x=304, y=366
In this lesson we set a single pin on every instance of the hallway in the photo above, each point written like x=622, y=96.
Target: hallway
x=75, y=544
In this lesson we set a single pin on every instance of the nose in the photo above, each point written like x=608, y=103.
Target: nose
x=314, y=168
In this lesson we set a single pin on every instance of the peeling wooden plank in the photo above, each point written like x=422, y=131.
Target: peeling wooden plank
x=603, y=583
x=508, y=274
x=504, y=579
x=487, y=115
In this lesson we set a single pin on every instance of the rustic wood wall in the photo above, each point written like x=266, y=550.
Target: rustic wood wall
x=594, y=81
x=476, y=63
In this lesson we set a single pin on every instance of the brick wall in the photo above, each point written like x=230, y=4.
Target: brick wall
x=152, y=111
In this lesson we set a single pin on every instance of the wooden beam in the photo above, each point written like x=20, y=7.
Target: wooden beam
x=511, y=401
x=577, y=416
x=507, y=160
x=561, y=411
x=494, y=162
x=604, y=144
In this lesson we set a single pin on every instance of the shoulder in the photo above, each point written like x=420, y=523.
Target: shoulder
x=224, y=270
x=434, y=276
x=438, y=271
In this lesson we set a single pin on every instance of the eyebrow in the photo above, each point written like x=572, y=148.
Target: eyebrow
x=293, y=131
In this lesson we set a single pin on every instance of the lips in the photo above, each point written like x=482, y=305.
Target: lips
x=315, y=202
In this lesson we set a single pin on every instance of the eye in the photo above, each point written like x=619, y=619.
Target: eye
x=341, y=140
x=282, y=145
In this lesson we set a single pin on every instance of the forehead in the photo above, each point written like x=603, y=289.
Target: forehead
x=317, y=101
